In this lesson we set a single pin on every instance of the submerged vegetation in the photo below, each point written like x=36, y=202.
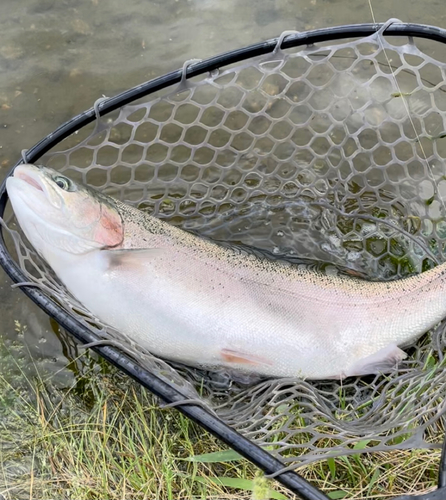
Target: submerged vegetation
x=107, y=437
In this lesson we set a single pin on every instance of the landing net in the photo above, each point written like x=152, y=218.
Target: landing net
x=330, y=155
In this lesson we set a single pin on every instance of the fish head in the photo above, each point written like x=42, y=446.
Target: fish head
x=56, y=212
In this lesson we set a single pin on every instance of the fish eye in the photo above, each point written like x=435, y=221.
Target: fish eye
x=63, y=182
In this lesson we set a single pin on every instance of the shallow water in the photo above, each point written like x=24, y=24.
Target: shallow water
x=58, y=57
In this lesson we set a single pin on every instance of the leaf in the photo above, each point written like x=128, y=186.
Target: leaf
x=439, y=136
x=282, y=408
x=241, y=484
x=430, y=200
x=216, y=456
x=360, y=445
x=433, y=137
x=430, y=362
x=349, y=465
x=334, y=495
x=219, y=456
x=332, y=466
x=372, y=482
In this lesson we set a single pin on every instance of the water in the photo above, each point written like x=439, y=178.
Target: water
x=58, y=57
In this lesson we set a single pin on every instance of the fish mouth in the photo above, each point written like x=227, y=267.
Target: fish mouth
x=31, y=175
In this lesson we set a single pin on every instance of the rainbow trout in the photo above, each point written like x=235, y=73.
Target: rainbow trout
x=188, y=299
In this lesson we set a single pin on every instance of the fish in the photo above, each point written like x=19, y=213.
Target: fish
x=190, y=300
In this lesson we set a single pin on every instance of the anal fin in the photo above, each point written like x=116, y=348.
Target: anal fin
x=242, y=358
x=381, y=361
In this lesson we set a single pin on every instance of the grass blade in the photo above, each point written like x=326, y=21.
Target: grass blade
x=216, y=456
x=241, y=484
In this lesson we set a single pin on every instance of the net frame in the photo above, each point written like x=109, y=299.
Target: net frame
x=160, y=387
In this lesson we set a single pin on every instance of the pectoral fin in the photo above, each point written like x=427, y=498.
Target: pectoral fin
x=130, y=256
x=382, y=361
x=242, y=358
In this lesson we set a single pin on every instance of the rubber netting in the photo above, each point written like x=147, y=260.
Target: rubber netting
x=329, y=155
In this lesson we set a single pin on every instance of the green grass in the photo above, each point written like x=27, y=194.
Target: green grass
x=122, y=446
x=107, y=438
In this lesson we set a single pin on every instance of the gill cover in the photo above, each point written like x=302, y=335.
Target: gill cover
x=54, y=210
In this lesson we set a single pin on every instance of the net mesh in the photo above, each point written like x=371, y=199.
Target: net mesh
x=329, y=155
